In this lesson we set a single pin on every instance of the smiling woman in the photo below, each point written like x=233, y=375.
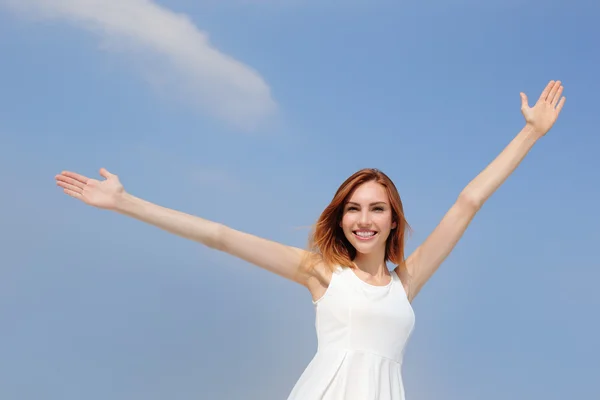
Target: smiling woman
x=363, y=310
x=365, y=215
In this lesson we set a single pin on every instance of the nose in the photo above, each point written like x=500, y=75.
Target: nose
x=364, y=220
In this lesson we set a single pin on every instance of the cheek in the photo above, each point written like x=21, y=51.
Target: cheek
x=385, y=222
x=346, y=222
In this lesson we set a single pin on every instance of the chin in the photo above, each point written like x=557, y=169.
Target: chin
x=366, y=248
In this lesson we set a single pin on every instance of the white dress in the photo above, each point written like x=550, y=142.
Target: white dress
x=362, y=332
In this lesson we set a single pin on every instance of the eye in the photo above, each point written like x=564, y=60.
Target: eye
x=351, y=208
x=378, y=209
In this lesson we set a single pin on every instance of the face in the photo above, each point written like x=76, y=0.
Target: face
x=367, y=219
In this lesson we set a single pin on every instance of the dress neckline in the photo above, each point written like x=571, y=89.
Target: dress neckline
x=392, y=273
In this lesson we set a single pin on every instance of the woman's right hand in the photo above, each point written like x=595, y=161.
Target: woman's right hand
x=102, y=194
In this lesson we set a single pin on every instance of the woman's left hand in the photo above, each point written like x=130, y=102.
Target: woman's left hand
x=542, y=116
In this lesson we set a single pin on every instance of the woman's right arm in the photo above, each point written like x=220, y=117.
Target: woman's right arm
x=109, y=194
x=280, y=259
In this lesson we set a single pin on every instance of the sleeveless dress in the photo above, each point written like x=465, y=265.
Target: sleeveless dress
x=362, y=332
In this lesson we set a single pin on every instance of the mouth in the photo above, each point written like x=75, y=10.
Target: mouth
x=364, y=235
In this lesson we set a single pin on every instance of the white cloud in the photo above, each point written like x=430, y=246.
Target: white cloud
x=173, y=53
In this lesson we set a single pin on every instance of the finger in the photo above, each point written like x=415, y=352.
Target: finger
x=73, y=193
x=524, y=101
x=76, y=176
x=546, y=91
x=69, y=187
x=70, y=181
x=557, y=95
x=561, y=103
x=104, y=173
x=553, y=92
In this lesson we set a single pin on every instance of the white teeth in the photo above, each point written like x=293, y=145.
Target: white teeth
x=365, y=234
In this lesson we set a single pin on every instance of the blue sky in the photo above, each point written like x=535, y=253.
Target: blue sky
x=251, y=113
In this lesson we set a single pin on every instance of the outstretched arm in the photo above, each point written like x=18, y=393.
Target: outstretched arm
x=426, y=259
x=109, y=194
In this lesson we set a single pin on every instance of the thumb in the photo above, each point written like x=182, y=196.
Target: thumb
x=524, y=102
x=104, y=173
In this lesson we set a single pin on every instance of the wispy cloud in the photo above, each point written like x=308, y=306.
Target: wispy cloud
x=355, y=5
x=173, y=52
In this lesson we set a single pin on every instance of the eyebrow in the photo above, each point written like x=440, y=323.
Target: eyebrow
x=372, y=204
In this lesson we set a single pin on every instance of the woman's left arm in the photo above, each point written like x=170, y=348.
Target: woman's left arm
x=426, y=259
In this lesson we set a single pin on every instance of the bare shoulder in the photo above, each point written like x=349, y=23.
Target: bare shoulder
x=318, y=279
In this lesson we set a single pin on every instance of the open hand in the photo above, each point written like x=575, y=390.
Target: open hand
x=101, y=194
x=542, y=116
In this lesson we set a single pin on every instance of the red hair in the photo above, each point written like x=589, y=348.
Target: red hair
x=328, y=241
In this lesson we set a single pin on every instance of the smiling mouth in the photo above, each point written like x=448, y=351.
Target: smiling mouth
x=364, y=235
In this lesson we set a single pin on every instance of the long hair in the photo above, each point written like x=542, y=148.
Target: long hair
x=327, y=241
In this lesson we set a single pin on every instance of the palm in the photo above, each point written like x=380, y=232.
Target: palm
x=101, y=194
x=542, y=116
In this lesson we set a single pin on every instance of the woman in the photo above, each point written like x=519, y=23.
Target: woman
x=363, y=310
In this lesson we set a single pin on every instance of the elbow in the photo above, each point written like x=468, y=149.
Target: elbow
x=215, y=239
x=470, y=201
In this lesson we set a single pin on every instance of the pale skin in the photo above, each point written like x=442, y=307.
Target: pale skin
x=367, y=210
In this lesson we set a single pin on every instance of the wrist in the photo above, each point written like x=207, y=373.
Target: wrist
x=123, y=202
x=530, y=133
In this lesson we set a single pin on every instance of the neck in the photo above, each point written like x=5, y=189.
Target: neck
x=373, y=264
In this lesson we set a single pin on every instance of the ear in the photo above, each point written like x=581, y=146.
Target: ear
x=394, y=224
